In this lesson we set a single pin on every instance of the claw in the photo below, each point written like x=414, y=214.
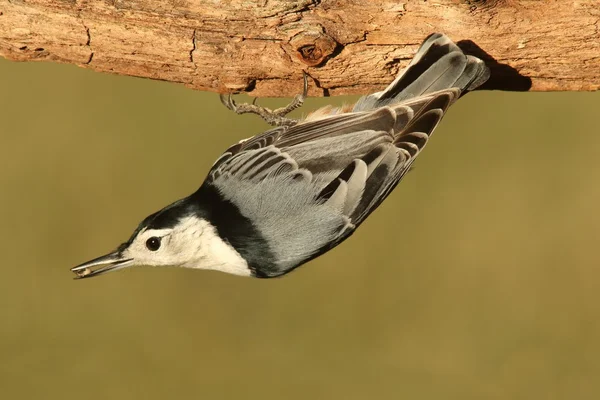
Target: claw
x=305, y=90
x=223, y=99
x=272, y=117
x=228, y=101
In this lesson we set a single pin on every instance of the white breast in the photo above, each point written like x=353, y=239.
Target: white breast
x=216, y=254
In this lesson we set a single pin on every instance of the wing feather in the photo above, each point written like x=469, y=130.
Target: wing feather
x=307, y=187
x=350, y=175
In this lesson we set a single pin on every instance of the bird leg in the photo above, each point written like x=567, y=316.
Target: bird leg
x=272, y=117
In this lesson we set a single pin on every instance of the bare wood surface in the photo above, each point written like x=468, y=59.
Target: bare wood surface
x=345, y=46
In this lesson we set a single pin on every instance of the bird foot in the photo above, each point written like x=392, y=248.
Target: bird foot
x=272, y=117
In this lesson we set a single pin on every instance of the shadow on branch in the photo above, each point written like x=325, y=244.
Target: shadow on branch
x=503, y=76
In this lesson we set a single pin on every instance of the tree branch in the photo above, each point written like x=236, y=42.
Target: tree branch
x=345, y=46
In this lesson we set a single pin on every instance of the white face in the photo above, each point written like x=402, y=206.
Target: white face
x=177, y=246
x=192, y=243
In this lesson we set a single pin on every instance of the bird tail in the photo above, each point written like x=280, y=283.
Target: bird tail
x=438, y=64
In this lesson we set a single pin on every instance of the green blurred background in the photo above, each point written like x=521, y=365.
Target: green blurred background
x=478, y=278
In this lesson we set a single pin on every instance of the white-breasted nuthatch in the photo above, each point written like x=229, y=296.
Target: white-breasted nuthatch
x=273, y=202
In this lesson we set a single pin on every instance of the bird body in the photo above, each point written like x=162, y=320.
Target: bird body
x=273, y=202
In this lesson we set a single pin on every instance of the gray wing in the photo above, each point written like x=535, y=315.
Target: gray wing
x=306, y=188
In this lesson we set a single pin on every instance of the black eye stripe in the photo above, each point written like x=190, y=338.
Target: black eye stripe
x=153, y=243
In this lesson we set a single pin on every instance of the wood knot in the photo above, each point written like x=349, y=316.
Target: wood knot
x=313, y=48
x=487, y=5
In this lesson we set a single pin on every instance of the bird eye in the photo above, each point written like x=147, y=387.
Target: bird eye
x=153, y=243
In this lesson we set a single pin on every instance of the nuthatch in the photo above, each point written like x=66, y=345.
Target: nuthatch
x=274, y=201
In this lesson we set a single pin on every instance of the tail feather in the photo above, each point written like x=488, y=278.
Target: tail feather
x=438, y=64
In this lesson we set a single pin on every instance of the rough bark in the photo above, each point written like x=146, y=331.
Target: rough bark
x=345, y=46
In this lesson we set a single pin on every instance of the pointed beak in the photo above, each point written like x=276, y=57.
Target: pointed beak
x=101, y=265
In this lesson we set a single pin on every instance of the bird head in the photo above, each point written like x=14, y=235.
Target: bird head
x=177, y=235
